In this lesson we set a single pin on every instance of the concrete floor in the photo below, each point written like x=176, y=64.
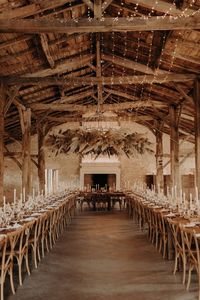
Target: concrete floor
x=103, y=256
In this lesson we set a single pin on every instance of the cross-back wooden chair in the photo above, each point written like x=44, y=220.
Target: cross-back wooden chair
x=6, y=265
x=191, y=240
x=20, y=250
x=179, y=248
x=35, y=239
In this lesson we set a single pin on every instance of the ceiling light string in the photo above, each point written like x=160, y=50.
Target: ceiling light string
x=92, y=48
x=168, y=12
x=185, y=10
x=113, y=56
x=102, y=45
x=149, y=59
x=173, y=55
x=136, y=59
x=147, y=66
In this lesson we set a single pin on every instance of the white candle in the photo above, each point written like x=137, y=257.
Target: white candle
x=190, y=201
x=56, y=180
x=197, y=196
x=4, y=204
x=21, y=198
x=175, y=192
x=45, y=189
x=172, y=192
x=184, y=202
x=167, y=191
x=33, y=193
x=14, y=197
x=24, y=194
x=181, y=196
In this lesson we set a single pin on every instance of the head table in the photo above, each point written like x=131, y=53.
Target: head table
x=101, y=199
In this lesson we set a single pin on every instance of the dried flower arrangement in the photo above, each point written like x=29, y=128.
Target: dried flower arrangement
x=110, y=142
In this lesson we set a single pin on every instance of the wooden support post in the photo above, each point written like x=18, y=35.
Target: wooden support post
x=2, y=105
x=25, y=117
x=159, y=157
x=174, y=148
x=197, y=133
x=41, y=156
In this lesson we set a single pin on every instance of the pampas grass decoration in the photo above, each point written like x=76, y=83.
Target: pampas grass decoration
x=110, y=142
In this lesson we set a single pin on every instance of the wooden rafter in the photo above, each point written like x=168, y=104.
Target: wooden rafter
x=75, y=97
x=64, y=67
x=89, y=3
x=140, y=79
x=92, y=108
x=133, y=118
x=160, y=6
x=96, y=25
x=105, y=4
x=11, y=97
x=46, y=50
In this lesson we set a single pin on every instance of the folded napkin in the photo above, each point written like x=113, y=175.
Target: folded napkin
x=170, y=215
x=29, y=219
x=188, y=225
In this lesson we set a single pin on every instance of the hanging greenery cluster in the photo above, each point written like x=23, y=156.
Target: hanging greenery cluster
x=110, y=142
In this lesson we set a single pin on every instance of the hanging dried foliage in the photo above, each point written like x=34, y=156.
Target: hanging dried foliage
x=110, y=142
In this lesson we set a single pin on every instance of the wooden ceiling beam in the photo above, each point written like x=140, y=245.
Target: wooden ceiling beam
x=35, y=79
x=75, y=97
x=46, y=50
x=133, y=118
x=130, y=64
x=11, y=42
x=89, y=3
x=93, y=108
x=32, y=9
x=160, y=6
x=105, y=4
x=95, y=25
x=65, y=66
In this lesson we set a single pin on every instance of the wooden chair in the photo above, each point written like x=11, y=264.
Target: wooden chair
x=6, y=265
x=191, y=240
x=179, y=248
x=35, y=239
x=44, y=240
x=162, y=227
x=20, y=251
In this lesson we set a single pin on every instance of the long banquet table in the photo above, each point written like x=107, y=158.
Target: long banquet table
x=176, y=234
x=35, y=230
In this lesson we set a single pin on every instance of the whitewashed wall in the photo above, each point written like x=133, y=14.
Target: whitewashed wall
x=68, y=165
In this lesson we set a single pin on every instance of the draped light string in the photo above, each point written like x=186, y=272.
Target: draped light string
x=101, y=50
x=91, y=35
x=113, y=55
x=124, y=56
x=148, y=64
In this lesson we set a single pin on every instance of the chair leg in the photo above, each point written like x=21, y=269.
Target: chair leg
x=27, y=264
x=175, y=263
x=2, y=288
x=184, y=270
x=11, y=280
x=189, y=277
x=20, y=271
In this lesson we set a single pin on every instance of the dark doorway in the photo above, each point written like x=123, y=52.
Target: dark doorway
x=100, y=180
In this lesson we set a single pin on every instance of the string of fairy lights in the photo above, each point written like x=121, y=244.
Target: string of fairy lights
x=136, y=11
